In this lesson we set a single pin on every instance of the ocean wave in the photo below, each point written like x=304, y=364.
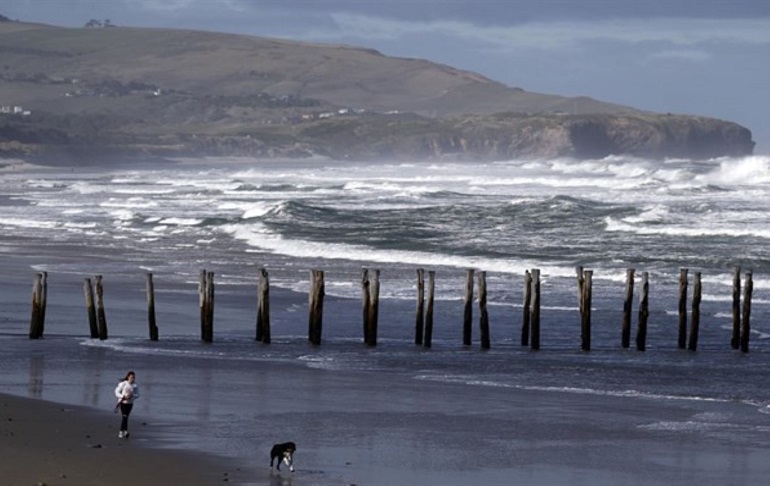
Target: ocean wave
x=259, y=236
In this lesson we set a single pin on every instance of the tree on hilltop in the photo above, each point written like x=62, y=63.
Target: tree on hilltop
x=93, y=23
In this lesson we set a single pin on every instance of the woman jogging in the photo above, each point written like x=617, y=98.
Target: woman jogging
x=127, y=391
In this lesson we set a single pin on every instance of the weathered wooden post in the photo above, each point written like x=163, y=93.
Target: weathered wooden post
x=644, y=312
x=534, y=314
x=202, y=299
x=625, y=338
x=748, y=289
x=43, y=302
x=88, y=290
x=468, y=308
x=100, y=315
x=695, y=322
x=483, y=315
x=210, y=307
x=735, y=342
x=428, y=338
x=585, y=304
x=206, y=297
x=579, y=277
x=374, y=307
x=366, y=302
x=419, y=320
x=525, y=320
x=151, y=308
x=682, y=308
x=317, y=292
x=263, y=308
x=35, y=332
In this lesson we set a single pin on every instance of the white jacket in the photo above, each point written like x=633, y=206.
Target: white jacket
x=127, y=392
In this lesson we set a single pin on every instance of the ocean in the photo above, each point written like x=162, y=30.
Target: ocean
x=400, y=413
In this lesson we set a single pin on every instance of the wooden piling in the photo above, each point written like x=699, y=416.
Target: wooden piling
x=748, y=289
x=43, y=302
x=210, y=307
x=35, y=332
x=206, y=297
x=202, y=301
x=625, y=338
x=483, y=315
x=366, y=302
x=419, y=320
x=534, y=314
x=88, y=290
x=579, y=277
x=735, y=341
x=695, y=322
x=153, y=327
x=315, y=308
x=374, y=307
x=525, y=318
x=585, y=304
x=468, y=309
x=682, y=308
x=644, y=312
x=263, y=308
x=100, y=315
x=428, y=337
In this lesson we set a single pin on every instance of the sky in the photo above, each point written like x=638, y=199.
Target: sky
x=702, y=57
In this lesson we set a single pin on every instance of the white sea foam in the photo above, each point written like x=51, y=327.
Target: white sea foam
x=181, y=221
x=28, y=223
x=751, y=170
x=688, y=426
x=614, y=225
x=470, y=380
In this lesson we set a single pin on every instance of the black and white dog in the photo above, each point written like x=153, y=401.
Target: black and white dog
x=284, y=453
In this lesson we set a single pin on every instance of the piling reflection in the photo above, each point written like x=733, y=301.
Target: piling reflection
x=92, y=377
x=36, y=372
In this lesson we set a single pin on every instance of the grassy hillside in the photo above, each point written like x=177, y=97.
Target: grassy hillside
x=208, y=63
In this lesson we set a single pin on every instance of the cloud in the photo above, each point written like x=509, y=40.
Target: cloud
x=683, y=55
x=162, y=6
x=558, y=35
x=191, y=7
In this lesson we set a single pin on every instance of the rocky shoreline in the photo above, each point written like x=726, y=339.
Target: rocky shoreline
x=408, y=137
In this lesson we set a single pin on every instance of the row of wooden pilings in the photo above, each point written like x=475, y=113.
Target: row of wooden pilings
x=370, y=285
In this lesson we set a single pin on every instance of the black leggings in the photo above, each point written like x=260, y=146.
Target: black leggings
x=125, y=409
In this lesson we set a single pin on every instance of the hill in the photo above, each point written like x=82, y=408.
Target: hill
x=117, y=90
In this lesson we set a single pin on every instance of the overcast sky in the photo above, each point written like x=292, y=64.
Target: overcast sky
x=705, y=57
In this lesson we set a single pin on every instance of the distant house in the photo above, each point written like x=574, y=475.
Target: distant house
x=14, y=110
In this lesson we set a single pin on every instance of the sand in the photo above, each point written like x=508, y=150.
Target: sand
x=45, y=443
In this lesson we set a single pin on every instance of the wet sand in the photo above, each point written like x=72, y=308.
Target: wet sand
x=46, y=443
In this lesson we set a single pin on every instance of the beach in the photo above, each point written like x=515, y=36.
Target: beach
x=48, y=443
